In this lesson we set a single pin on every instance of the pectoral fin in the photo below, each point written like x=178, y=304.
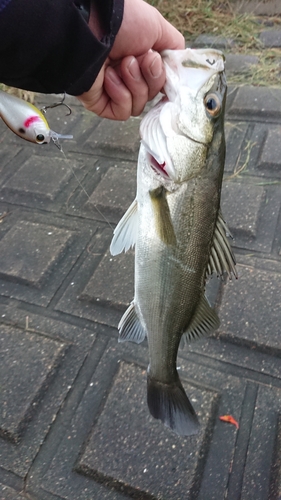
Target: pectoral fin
x=204, y=322
x=125, y=233
x=164, y=225
x=130, y=327
x=221, y=258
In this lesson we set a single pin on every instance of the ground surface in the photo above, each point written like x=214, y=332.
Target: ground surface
x=74, y=423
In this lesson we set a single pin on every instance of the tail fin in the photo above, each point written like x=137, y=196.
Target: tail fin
x=169, y=403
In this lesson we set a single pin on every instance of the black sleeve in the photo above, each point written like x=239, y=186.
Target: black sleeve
x=46, y=45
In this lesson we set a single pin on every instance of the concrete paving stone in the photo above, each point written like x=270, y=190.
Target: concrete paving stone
x=235, y=134
x=112, y=282
x=118, y=139
x=261, y=153
x=246, y=302
x=100, y=283
x=217, y=349
x=103, y=445
x=237, y=63
x=114, y=194
x=271, y=153
x=38, y=368
x=40, y=177
x=262, y=472
x=271, y=38
x=26, y=363
x=112, y=417
x=7, y=493
x=44, y=181
x=7, y=153
x=249, y=200
x=247, y=207
x=263, y=8
x=218, y=42
x=83, y=202
x=29, y=251
x=256, y=101
x=39, y=255
x=115, y=450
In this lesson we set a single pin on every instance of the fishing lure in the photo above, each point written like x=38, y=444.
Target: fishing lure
x=27, y=121
x=230, y=419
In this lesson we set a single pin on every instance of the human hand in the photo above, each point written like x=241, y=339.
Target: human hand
x=133, y=74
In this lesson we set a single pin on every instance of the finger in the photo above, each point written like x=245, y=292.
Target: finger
x=135, y=82
x=119, y=106
x=168, y=37
x=108, y=97
x=153, y=71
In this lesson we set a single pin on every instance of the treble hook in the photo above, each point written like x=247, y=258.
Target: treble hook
x=60, y=103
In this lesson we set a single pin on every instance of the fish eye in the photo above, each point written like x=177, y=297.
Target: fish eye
x=213, y=104
x=40, y=138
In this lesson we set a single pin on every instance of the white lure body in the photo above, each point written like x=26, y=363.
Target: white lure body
x=26, y=121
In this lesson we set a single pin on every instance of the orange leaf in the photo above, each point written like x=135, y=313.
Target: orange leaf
x=230, y=420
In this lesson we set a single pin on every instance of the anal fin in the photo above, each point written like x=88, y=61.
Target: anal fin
x=204, y=321
x=130, y=327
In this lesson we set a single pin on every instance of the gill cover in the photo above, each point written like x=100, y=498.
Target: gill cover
x=186, y=112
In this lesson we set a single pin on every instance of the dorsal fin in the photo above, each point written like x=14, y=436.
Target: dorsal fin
x=221, y=257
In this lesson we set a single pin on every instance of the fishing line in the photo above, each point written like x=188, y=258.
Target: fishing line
x=81, y=185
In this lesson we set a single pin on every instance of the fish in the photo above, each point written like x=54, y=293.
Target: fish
x=176, y=226
x=27, y=121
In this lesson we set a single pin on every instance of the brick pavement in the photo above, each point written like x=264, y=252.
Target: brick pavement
x=74, y=423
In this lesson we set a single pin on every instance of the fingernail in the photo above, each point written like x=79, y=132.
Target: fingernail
x=134, y=69
x=113, y=76
x=156, y=66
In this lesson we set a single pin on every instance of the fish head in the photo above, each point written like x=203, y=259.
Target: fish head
x=196, y=87
x=178, y=131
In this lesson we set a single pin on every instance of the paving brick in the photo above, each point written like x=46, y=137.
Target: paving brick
x=114, y=194
x=7, y=493
x=246, y=302
x=237, y=63
x=271, y=38
x=102, y=288
x=26, y=363
x=234, y=136
x=41, y=177
x=119, y=139
x=265, y=8
x=256, y=101
x=127, y=463
x=248, y=200
x=113, y=415
x=38, y=368
x=263, y=484
x=270, y=156
x=218, y=42
x=110, y=283
x=29, y=251
x=247, y=208
x=114, y=449
x=54, y=261
x=7, y=153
